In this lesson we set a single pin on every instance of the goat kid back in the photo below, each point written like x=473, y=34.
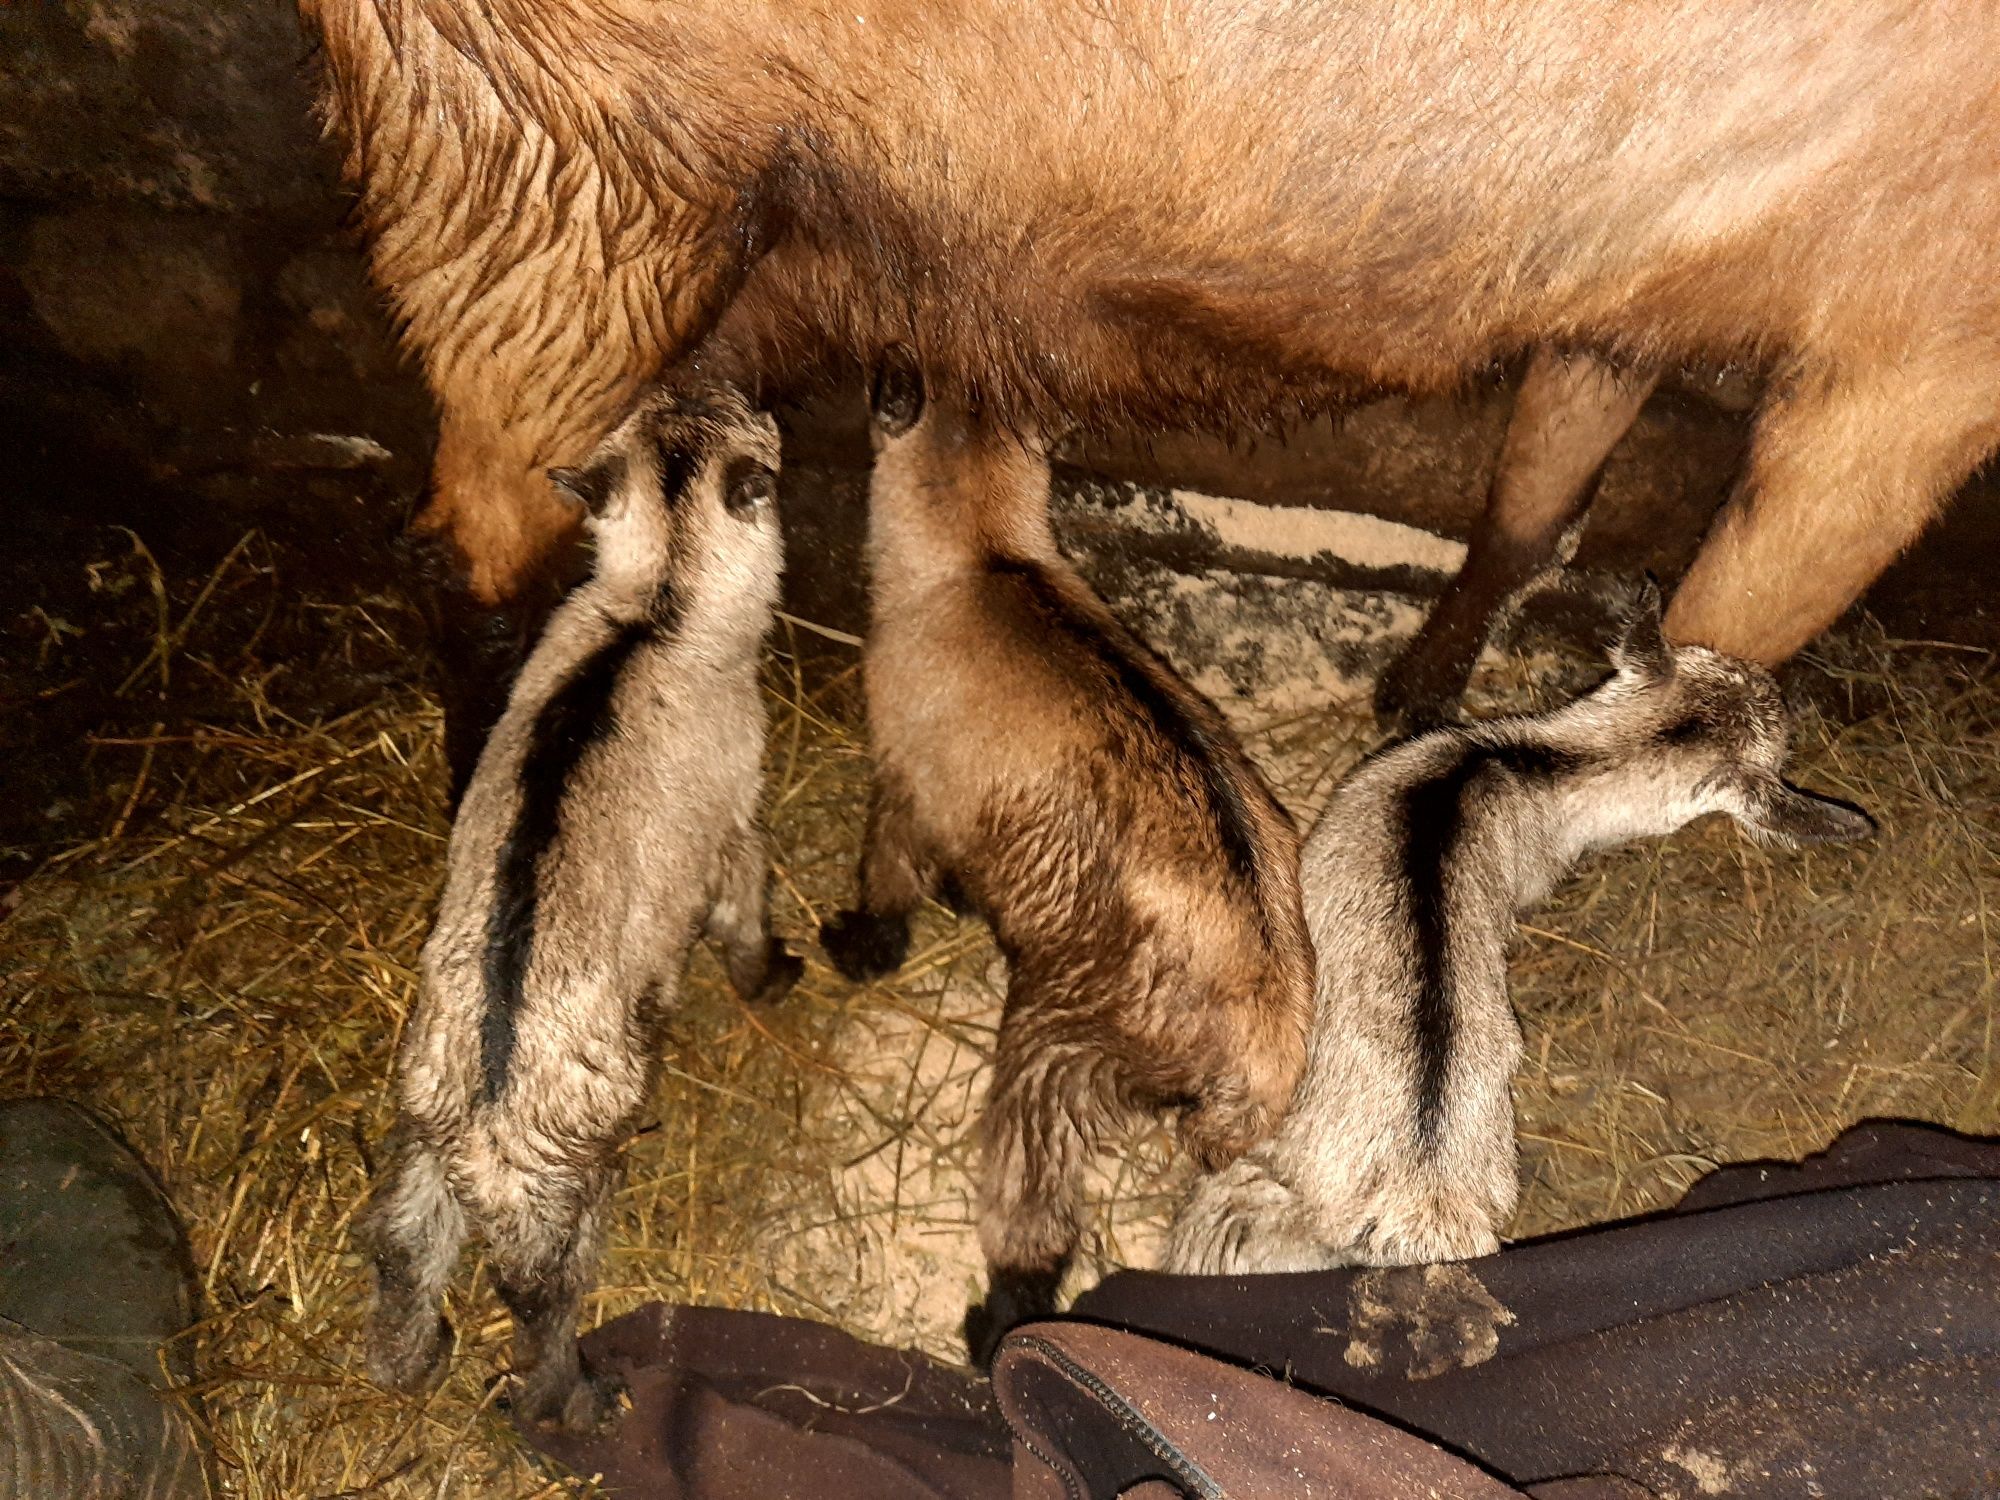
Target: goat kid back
x=1035, y=759
x=612, y=818
x=1400, y=1147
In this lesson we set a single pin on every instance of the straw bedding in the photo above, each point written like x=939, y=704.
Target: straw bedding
x=224, y=967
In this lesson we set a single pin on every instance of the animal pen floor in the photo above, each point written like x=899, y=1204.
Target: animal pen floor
x=223, y=969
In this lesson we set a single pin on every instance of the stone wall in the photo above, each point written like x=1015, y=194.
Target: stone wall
x=191, y=329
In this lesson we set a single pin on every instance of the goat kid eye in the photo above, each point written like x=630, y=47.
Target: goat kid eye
x=748, y=492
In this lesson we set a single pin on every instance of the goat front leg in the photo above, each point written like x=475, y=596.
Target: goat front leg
x=1570, y=412
x=480, y=644
x=760, y=967
x=873, y=939
x=505, y=548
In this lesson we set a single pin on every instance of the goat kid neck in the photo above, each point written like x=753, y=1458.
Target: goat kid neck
x=951, y=497
x=1592, y=798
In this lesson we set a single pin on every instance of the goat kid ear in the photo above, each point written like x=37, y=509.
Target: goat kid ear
x=590, y=488
x=1643, y=650
x=1785, y=815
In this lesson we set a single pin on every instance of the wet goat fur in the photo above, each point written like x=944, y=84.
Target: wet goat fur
x=1140, y=879
x=1400, y=1146
x=612, y=819
x=1133, y=213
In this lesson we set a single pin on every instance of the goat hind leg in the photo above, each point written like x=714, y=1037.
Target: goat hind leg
x=412, y=1230
x=1224, y=1122
x=1843, y=475
x=543, y=1268
x=1030, y=1187
x=1569, y=414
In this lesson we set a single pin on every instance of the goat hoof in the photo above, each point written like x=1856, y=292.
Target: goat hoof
x=1012, y=1298
x=586, y=1406
x=412, y=1362
x=782, y=969
x=982, y=1336
x=864, y=946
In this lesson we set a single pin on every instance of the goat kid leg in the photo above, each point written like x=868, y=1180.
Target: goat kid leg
x=1844, y=474
x=873, y=939
x=760, y=966
x=412, y=1230
x=544, y=1262
x=1442, y=1190
x=1238, y=1081
x=1570, y=412
x=1032, y=1155
x=1225, y=1121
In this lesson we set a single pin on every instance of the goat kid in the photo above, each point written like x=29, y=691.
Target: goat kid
x=613, y=817
x=1400, y=1146
x=1034, y=758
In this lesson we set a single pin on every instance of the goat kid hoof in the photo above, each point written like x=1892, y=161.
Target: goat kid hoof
x=412, y=1367
x=1012, y=1298
x=587, y=1407
x=863, y=946
x=983, y=1332
x=782, y=969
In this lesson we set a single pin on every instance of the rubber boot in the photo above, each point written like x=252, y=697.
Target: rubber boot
x=96, y=1284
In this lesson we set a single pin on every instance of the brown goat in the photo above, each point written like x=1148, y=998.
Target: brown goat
x=1037, y=760
x=1213, y=213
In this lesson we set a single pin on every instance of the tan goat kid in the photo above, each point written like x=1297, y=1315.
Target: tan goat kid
x=1036, y=760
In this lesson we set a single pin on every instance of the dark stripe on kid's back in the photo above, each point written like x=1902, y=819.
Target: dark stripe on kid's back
x=1433, y=820
x=577, y=717
x=1125, y=655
